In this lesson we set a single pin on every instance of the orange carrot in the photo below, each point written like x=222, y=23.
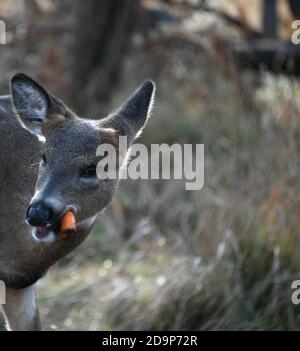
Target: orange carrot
x=68, y=224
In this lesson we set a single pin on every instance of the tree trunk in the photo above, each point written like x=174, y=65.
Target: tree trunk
x=101, y=34
x=270, y=18
x=295, y=8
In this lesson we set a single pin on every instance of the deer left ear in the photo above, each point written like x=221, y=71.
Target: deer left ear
x=31, y=102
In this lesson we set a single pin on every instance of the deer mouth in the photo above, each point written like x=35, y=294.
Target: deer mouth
x=47, y=233
x=54, y=231
x=64, y=225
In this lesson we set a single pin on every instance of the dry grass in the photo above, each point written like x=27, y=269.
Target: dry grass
x=222, y=258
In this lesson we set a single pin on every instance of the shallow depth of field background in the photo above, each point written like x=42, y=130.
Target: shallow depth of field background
x=160, y=257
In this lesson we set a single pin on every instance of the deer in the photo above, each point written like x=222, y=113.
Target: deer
x=48, y=165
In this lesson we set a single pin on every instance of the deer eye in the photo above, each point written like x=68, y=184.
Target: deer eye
x=44, y=159
x=89, y=171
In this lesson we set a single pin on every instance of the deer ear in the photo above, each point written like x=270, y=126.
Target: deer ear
x=31, y=102
x=130, y=119
x=138, y=107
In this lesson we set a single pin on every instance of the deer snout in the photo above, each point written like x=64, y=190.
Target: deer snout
x=40, y=215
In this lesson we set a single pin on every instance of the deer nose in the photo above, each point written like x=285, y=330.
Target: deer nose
x=39, y=215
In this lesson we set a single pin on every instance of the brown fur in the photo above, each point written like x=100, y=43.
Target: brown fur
x=51, y=123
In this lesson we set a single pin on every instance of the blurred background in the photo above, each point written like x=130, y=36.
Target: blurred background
x=160, y=257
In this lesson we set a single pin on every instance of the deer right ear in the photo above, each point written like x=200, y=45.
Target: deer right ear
x=31, y=102
x=132, y=116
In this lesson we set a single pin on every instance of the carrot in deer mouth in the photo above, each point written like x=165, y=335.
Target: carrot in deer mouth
x=68, y=224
